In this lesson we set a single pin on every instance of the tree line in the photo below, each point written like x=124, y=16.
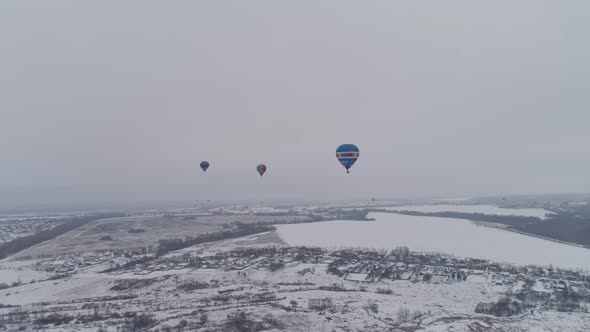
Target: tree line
x=165, y=246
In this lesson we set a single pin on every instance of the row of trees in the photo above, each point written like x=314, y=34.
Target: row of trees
x=166, y=246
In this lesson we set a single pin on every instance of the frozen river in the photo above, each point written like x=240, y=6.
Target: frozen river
x=452, y=236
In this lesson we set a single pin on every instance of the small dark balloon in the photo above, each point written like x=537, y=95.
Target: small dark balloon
x=204, y=165
x=261, y=169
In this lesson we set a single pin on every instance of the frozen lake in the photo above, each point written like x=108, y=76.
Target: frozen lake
x=484, y=209
x=453, y=236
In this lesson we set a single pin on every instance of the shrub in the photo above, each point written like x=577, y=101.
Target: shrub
x=240, y=321
x=203, y=319
x=384, y=291
x=182, y=324
x=140, y=322
x=373, y=306
x=55, y=319
x=193, y=285
x=505, y=307
x=274, y=266
x=403, y=315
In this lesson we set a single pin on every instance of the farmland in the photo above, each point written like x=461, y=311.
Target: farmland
x=138, y=232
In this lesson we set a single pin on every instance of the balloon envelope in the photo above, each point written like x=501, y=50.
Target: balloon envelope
x=347, y=155
x=204, y=165
x=261, y=169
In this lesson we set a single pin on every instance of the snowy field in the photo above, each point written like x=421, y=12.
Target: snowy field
x=454, y=199
x=442, y=307
x=432, y=234
x=484, y=209
x=9, y=276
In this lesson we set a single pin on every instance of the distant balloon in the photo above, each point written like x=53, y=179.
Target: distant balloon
x=204, y=165
x=347, y=155
x=261, y=169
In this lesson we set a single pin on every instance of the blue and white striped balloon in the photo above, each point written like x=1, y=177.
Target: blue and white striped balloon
x=347, y=155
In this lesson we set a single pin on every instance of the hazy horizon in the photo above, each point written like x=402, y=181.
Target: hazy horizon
x=120, y=101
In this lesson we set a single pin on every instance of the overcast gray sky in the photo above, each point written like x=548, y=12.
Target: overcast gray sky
x=121, y=100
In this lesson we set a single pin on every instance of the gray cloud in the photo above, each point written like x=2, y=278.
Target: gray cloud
x=120, y=101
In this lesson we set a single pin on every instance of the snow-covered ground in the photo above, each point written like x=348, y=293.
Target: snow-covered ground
x=249, y=210
x=454, y=199
x=442, y=306
x=268, y=209
x=432, y=234
x=9, y=276
x=484, y=209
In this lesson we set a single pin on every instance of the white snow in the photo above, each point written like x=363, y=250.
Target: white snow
x=268, y=209
x=432, y=234
x=249, y=210
x=577, y=204
x=453, y=199
x=484, y=209
x=83, y=285
x=9, y=276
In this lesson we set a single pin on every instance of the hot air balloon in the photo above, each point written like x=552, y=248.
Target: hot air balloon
x=261, y=169
x=204, y=165
x=347, y=155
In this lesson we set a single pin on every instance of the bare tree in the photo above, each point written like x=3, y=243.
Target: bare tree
x=403, y=315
